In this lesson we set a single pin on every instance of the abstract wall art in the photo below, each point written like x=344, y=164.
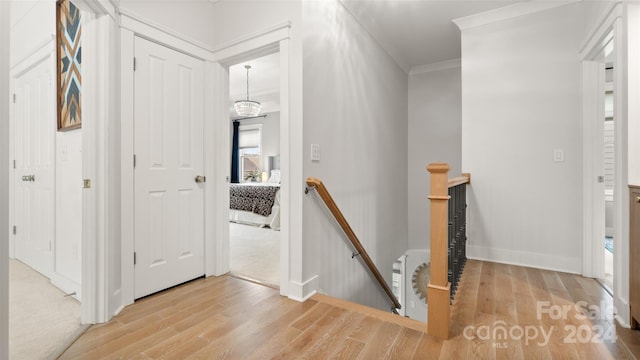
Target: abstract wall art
x=69, y=59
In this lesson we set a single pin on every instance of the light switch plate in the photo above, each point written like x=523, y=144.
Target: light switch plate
x=558, y=155
x=315, y=152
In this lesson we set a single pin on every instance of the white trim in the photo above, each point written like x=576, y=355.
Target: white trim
x=303, y=291
x=251, y=42
x=612, y=22
x=439, y=66
x=524, y=258
x=508, y=12
x=596, y=39
x=43, y=49
x=93, y=284
x=621, y=80
x=99, y=7
x=592, y=209
x=275, y=40
x=126, y=165
x=218, y=167
x=67, y=285
x=147, y=29
x=254, y=45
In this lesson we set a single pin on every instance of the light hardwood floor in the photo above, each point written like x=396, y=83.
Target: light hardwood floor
x=229, y=318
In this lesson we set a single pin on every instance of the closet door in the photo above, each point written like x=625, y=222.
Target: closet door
x=169, y=189
x=34, y=147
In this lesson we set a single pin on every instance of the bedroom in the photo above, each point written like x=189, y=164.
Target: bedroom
x=254, y=214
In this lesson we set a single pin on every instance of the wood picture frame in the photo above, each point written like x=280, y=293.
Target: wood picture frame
x=68, y=70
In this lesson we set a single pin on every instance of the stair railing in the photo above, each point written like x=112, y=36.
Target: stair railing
x=447, y=245
x=318, y=186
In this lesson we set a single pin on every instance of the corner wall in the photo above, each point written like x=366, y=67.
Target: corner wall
x=434, y=135
x=355, y=108
x=520, y=101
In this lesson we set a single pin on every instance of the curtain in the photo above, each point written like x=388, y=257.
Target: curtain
x=235, y=154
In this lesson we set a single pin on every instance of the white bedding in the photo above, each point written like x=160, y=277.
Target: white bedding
x=248, y=217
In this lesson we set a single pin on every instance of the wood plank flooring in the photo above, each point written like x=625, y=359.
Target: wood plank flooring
x=500, y=311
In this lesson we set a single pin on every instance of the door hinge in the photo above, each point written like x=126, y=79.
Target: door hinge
x=14, y=164
x=14, y=98
x=86, y=183
x=134, y=258
x=15, y=230
x=134, y=161
x=134, y=64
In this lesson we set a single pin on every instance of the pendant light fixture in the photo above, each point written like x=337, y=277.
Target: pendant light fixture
x=247, y=107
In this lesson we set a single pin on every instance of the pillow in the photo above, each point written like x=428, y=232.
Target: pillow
x=275, y=177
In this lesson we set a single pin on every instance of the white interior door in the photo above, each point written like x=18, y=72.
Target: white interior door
x=34, y=151
x=593, y=161
x=169, y=203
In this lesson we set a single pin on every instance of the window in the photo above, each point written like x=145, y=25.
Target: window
x=249, y=141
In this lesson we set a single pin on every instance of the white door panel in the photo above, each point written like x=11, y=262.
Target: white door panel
x=169, y=204
x=593, y=167
x=34, y=146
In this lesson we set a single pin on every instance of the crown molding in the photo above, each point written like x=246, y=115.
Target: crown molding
x=508, y=12
x=439, y=66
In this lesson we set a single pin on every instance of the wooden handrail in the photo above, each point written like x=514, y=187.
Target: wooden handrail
x=344, y=224
x=465, y=178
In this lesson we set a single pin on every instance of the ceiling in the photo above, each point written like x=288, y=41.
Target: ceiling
x=413, y=32
x=264, y=82
x=418, y=32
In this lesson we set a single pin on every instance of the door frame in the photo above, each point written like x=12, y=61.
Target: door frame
x=611, y=23
x=216, y=157
x=275, y=42
x=593, y=213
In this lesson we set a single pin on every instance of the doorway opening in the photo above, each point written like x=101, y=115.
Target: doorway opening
x=608, y=169
x=46, y=199
x=254, y=189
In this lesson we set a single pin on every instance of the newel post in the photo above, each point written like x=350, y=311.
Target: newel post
x=439, y=289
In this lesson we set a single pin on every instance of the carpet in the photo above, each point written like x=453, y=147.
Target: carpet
x=608, y=244
x=255, y=253
x=42, y=321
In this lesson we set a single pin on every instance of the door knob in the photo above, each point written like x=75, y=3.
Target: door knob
x=638, y=199
x=201, y=179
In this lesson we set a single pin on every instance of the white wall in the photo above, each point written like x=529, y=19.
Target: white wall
x=193, y=19
x=33, y=23
x=520, y=101
x=237, y=19
x=355, y=108
x=4, y=179
x=434, y=135
x=68, y=248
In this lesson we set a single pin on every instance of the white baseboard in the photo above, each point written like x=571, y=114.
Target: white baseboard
x=524, y=258
x=66, y=285
x=303, y=291
x=623, y=312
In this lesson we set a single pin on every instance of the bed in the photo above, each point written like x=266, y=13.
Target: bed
x=255, y=204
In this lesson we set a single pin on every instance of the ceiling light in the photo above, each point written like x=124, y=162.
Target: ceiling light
x=247, y=107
